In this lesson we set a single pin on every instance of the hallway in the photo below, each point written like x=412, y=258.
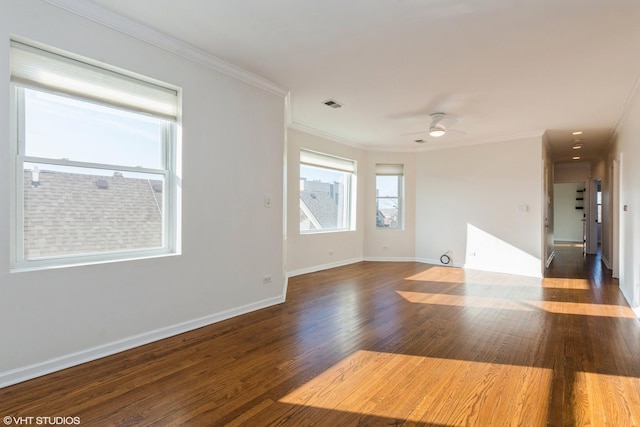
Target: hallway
x=569, y=262
x=596, y=368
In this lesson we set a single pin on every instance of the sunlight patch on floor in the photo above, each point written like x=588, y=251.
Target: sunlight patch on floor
x=555, y=307
x=470, y=277
x=429, y=390
x=440, y=274
x=565, y=283
x=464, y=301
x=601, y=399
x=580, y=309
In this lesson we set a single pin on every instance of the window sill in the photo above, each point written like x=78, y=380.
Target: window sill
x=50, y=264
x=307, y=233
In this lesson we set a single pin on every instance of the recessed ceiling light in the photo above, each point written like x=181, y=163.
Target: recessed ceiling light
x=577, y=146
x=579, y=132
x=576, y=157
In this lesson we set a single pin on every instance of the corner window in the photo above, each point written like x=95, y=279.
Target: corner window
x=389, y=196
x=326, y=189
x=94, y=162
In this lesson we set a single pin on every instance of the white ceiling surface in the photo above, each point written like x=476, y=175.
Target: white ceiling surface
x=501, y=68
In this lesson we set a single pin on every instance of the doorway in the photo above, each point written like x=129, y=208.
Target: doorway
x=569, y=212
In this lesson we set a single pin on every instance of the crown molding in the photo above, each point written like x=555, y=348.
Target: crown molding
x=326, y=135
x=141, y=32
x=441, y=146
x=624, y=111
x=491, y=140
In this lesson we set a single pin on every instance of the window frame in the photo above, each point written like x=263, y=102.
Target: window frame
x=333, y=163
x=397, y=170
x=169, y=154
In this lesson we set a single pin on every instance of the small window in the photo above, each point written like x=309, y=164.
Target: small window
x=94, y=162
x=326, y=189
x=389, y=196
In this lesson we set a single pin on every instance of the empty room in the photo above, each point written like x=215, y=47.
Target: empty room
x=420, y=213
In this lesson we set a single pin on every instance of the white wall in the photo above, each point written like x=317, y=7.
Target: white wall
x=318, y=251
x=572, y=172
x=547, y=201
x=627, y=149
x=233, y=137
x=483, y=203
x=388, y=244
x=568, y=225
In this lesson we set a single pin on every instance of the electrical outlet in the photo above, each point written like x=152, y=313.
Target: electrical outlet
x=266, y=279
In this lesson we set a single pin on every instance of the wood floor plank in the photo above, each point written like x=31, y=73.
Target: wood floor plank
x=378, y=343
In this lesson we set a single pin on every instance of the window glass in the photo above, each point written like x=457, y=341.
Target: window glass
x=59, y=127
x=389, y=193
x=77, y=211
x=325, y=197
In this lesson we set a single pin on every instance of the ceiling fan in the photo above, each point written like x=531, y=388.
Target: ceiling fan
x=437, y=127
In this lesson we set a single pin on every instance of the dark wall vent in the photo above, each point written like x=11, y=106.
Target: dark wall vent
x=333, y=104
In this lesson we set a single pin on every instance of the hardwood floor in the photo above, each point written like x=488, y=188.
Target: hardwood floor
x=379, y=344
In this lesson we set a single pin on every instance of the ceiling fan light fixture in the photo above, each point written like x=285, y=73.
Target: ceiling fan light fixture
x=436, y=132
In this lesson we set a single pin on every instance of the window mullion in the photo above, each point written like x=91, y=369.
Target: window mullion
x=89, y=165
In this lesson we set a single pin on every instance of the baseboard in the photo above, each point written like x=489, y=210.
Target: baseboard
x=636, y=310
x=390, y=259
x=35, y=370
x=321, y=267
x=315, y=268
x=606, y=262
x=437, y=262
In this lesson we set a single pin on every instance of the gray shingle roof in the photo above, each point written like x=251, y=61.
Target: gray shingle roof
x=323, y=207
x=69, y=213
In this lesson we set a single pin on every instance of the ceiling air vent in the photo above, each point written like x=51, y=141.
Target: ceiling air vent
x=333, y=104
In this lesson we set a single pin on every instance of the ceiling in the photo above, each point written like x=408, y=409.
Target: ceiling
x=500, y=69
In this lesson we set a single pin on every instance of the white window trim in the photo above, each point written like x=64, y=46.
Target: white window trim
x=170, y=200
x=339, y=164
x=392, y=170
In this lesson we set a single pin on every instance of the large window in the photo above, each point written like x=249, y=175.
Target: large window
x=94, y=162
x=326, y=186
x=389, y=196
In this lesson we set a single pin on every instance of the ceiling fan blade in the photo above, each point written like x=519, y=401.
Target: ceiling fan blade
x=416, y=133
x=456, y=131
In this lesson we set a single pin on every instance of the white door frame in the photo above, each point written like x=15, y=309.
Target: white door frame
x=591, y=209
x=616, y=238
